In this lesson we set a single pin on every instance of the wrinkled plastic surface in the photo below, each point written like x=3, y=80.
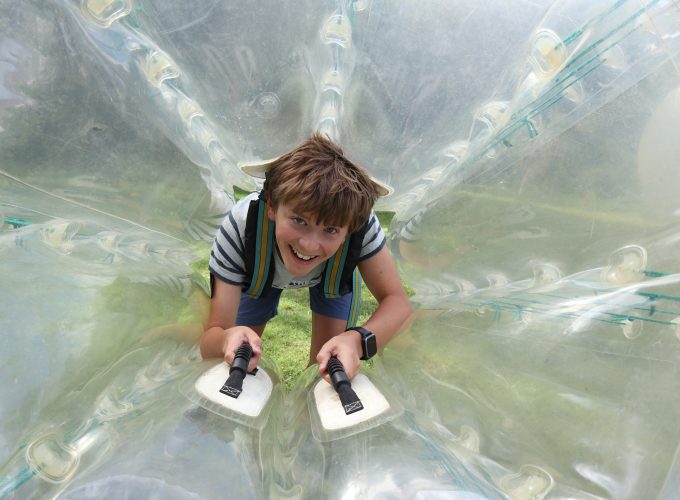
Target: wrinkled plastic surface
x=533, y=149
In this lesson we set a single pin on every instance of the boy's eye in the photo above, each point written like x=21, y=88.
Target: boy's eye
x=332, y=230
x=297, y=220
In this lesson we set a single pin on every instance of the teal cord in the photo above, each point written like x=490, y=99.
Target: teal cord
x=15, y=222
x=9, y=485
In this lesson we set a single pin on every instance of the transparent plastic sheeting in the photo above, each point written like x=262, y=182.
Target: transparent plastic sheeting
x=533, y=151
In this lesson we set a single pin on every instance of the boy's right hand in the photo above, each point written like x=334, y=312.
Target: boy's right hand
x=235, y=337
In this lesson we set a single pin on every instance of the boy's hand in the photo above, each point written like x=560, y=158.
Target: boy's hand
x=347, y=348
x=235, y=337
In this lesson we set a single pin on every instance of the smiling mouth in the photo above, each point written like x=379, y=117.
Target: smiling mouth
x=301, y=256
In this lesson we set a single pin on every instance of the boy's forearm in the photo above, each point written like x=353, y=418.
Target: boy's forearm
x=212, y=342
x=388, y=318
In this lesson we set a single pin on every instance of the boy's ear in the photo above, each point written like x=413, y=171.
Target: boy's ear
x=271, y=213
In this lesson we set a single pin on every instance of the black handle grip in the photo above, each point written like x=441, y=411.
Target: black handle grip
x=237, y=372
x=242, y=358
x=349, y=399
x=337, y=372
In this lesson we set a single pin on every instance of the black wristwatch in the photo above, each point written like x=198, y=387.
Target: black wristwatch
x=369, y=345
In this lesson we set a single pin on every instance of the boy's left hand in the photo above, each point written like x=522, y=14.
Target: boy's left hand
x=347, y=348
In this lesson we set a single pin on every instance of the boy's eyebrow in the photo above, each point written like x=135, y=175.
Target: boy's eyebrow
x=335, y=226
x=300, y=213
x=316, y=219
x=297, y=213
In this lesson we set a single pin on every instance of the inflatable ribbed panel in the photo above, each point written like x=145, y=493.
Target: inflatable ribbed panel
x=534, y=155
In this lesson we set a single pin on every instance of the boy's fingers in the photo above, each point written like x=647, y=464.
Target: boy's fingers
x=255, y=342
x=347, y=364
x=323, y=367
x=233, y=342
x=253, y=363
x=322, y=358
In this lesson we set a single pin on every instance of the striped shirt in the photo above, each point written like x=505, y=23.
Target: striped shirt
x=226, y=258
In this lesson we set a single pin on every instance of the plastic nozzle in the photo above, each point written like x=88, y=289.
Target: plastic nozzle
x=349, y=399
x=237, y=372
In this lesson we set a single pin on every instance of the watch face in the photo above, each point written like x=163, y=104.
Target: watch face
x=371, y=346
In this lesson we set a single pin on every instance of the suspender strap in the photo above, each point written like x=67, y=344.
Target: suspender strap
x=264, y=239
x=353, y=317
x=334, y=270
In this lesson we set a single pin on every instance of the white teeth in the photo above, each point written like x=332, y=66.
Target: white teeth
x=301, y=256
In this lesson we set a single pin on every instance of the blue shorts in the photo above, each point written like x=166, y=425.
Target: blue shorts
x=254, y=312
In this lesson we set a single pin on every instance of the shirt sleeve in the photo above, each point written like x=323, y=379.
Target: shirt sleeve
x=411, y=230
x=374, y=238
x=226, y=258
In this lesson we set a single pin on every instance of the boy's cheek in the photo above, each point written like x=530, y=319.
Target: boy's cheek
x=333, y=249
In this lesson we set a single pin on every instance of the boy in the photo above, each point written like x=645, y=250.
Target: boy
x=311, y=226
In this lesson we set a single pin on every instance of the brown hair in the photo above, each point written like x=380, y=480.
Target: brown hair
x=316, y=178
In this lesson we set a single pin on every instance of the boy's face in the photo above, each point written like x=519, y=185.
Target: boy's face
x=303, y=244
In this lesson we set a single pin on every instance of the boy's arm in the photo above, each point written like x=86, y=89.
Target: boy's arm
x=382, y=279
x=220, y=337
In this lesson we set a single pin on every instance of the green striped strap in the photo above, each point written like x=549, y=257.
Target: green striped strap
x=353, y=317
x=263, y=251
x=334, y=268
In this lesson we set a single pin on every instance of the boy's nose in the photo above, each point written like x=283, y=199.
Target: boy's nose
x=309, y=244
